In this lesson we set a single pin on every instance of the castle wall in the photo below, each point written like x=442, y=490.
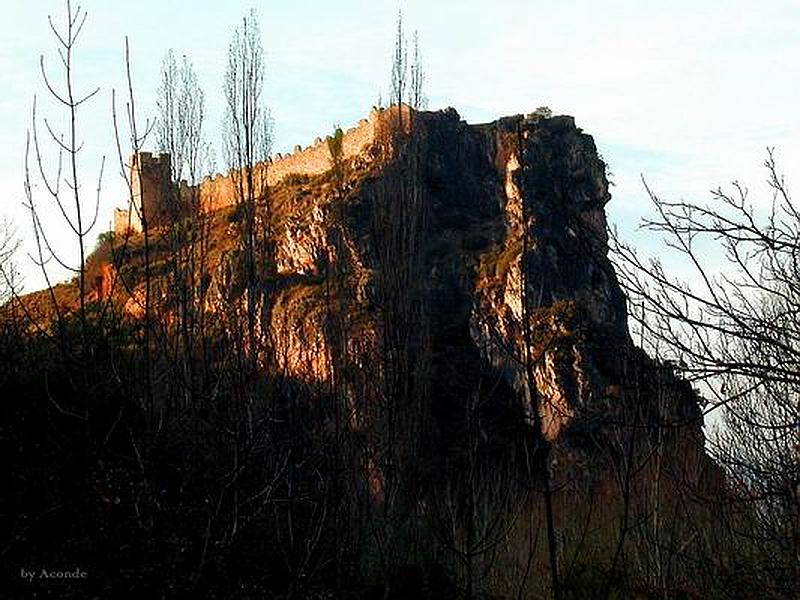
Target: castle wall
x=150, y=181
x=150, y=174
x=219, y=191
x=121, y=222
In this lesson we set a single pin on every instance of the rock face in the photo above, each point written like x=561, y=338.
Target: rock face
x=447, y=266
x=475, y=259
x=553, y=260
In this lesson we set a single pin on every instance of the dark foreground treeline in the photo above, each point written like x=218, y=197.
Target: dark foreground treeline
x=163, y=475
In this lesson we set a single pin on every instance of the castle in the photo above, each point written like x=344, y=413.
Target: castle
x=151, y=177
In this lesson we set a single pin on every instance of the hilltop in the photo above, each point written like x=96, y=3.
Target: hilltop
x=421, y=354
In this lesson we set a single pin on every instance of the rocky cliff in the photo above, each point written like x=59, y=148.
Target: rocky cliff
x=474, y=258
x=422, y=372
x=451, y=262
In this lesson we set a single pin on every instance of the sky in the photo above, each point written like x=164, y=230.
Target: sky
x=687, y=94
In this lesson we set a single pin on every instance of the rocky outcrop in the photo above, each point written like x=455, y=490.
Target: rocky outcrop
x=437, y=250
x=452, y=262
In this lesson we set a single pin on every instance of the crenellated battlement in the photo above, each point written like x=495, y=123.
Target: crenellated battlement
x=151, y=174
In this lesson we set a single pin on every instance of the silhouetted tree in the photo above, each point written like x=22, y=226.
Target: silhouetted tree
x=9, y=277
x=64, y=186
x=735, y=332
x=181, y=116
x=179, y=132
x=247, y=141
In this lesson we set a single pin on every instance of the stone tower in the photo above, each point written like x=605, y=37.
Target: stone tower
x=150, y=184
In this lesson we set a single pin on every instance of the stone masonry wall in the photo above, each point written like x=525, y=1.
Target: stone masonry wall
x=218, y=191
x=121, y=223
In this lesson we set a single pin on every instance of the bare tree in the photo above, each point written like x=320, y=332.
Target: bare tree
x=9, y=277
x=417, y=98
x=399, y=79
x=247, y=143
x=407, y=80
x=181, y=116
x=735, y=333
x=478, y=502
x=179, y=132
x=65, y=185
x=531, y=356
x=393, y=399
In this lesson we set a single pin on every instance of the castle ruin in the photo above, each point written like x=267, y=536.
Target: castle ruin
x=151, y=177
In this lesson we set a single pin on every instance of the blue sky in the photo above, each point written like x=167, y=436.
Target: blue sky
x=687, y=93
